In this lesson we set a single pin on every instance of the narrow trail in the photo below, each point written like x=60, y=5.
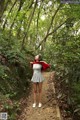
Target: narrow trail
x=49, y=109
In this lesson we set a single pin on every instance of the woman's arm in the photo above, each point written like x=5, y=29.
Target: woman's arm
x=31, y=62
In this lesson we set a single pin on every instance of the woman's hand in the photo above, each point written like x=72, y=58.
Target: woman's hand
x=31, y=62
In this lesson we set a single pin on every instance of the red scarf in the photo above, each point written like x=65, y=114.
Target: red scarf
x=44, y=64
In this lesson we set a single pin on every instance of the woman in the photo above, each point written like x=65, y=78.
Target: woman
x=37, y=78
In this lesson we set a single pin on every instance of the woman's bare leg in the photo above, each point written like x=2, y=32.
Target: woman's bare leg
x=40, y=91
x=34, y=91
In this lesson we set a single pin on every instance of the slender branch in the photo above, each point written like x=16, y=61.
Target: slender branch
x=27, y=9
x=2, y=3
x=45, y=38
x=4, y=8
x=9, y=13
x=38, y=17
x=57, y=28
x=38, y=21
x=53, y=18
x=51, y=33
x=31, y=17
x=20, y=6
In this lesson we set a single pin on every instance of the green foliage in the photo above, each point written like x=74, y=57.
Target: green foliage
x=15, y=74
x=14, y=67
x=64, y=52
x=9, y=106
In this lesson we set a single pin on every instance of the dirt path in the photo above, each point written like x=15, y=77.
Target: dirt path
x=49, y=110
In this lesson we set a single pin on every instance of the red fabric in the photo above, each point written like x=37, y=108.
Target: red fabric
x=44, y=64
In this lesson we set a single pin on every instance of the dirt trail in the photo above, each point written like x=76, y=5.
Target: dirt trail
x=49, y=110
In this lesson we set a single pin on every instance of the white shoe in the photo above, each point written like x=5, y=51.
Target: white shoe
x=34, y=104
x=40, y=105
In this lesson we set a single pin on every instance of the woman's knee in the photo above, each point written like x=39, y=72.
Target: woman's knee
x=40, y=87
x=35, y=88
x=35, y=91
x=40, y=90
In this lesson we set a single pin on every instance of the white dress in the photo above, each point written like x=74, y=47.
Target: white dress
x=37, y=75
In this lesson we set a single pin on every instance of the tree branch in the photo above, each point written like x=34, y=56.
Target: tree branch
x=53, y=19
x=3, y=9
x=27, y=9
x=51, y=33
x=31, y=17
x=45, y=38
x=8, y=14
x=38, y=17
x=20, y=6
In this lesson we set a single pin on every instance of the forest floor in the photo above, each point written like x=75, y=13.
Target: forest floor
x=49, y=109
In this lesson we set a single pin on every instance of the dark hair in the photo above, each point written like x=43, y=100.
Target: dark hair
x=40, y=57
